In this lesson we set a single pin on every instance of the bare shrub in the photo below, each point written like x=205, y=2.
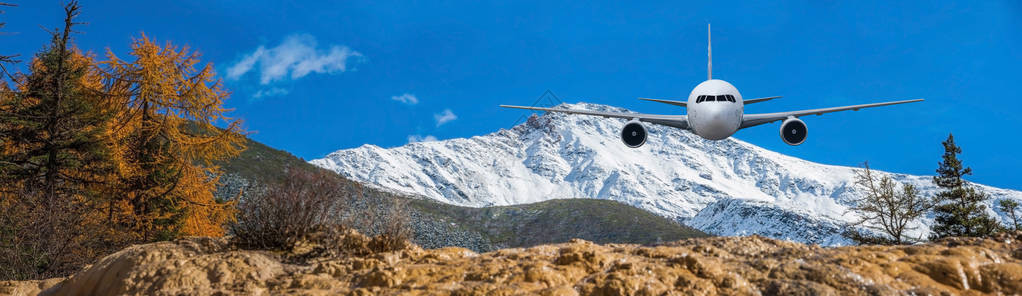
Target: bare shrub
x=886, y=209
x=317, y=213
x=276, y=218
x=384, y=217
x=394, y=231
x=38, y=242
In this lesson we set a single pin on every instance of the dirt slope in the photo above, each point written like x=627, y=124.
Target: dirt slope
x=701, y=266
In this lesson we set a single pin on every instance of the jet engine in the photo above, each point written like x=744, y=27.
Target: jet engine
x=793, y=131
x=634, y=134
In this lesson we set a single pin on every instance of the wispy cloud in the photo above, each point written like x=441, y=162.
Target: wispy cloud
x=272, y=92
x=419, y=138
x=294, y=58
x=406, y=98
x=245, y=65
x=444, y=117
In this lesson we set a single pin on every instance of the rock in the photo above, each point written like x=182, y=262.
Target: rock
x=188, y=266
x=27, y=287
x=704, y=266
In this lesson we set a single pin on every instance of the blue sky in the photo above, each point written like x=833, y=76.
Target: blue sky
x=311, y=78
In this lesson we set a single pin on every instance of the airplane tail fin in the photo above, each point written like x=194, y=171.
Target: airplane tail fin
x=709, y=54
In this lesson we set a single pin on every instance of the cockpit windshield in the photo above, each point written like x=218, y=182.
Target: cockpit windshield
x=717, y=98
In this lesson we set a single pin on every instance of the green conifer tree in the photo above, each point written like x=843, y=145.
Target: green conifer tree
x=54, y=122
x=960, y=211
x=54, y=156
x=1010, y=207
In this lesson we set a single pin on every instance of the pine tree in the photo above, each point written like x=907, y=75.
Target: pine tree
x=54, y=155
x=55, y=121
x=1010, y=207
x=960, y=211
x=168, y=141
x=53, y=125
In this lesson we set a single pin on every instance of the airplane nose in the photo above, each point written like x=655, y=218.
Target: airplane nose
x=715, y=124
x=717, y=120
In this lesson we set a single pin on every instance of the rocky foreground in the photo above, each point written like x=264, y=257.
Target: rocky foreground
x=704, y=266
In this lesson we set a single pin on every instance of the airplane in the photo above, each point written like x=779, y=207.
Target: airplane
x=716, y=111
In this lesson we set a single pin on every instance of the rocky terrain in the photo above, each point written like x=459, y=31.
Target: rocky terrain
x=751, y=265
x=726, y=187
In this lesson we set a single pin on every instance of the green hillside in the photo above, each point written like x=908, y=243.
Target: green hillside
x=481, y=229
x=560, y=220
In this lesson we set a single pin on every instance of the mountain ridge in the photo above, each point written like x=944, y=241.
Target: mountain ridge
x=676, y=175
x=437, y=225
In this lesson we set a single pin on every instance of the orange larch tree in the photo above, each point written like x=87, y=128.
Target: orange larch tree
x=169, y=141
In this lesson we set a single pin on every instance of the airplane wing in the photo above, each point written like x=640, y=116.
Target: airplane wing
x=676, y=103
x=750, y=120
x=678, y=121
x=753, y=101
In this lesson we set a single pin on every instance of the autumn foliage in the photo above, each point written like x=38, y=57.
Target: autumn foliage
x=167, y=142
x=95, y=155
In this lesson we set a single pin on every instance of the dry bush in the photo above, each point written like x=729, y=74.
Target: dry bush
x=302, y=204
x=383, y=216
x=38, y=242
x=391, y=219
x=316, y=213
x=885, y=208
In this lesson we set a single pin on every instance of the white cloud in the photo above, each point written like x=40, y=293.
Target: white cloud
x=406, y=98
x=444, y=117
x=418, y=138
x=246, y=64
x=293, y=58
x=273, y=92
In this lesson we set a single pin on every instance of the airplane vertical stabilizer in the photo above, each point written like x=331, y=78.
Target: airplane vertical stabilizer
x=709, y=54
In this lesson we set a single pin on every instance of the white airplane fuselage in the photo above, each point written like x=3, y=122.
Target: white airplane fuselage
x=715, y=109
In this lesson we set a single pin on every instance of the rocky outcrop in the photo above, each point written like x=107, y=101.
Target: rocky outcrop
x=704, y=266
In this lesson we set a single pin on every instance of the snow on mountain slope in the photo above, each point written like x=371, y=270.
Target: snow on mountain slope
x=726, y=187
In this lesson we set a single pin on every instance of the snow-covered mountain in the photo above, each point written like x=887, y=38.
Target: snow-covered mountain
x=726, y=187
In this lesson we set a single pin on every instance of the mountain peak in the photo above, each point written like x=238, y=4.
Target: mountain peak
x=726, y=187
